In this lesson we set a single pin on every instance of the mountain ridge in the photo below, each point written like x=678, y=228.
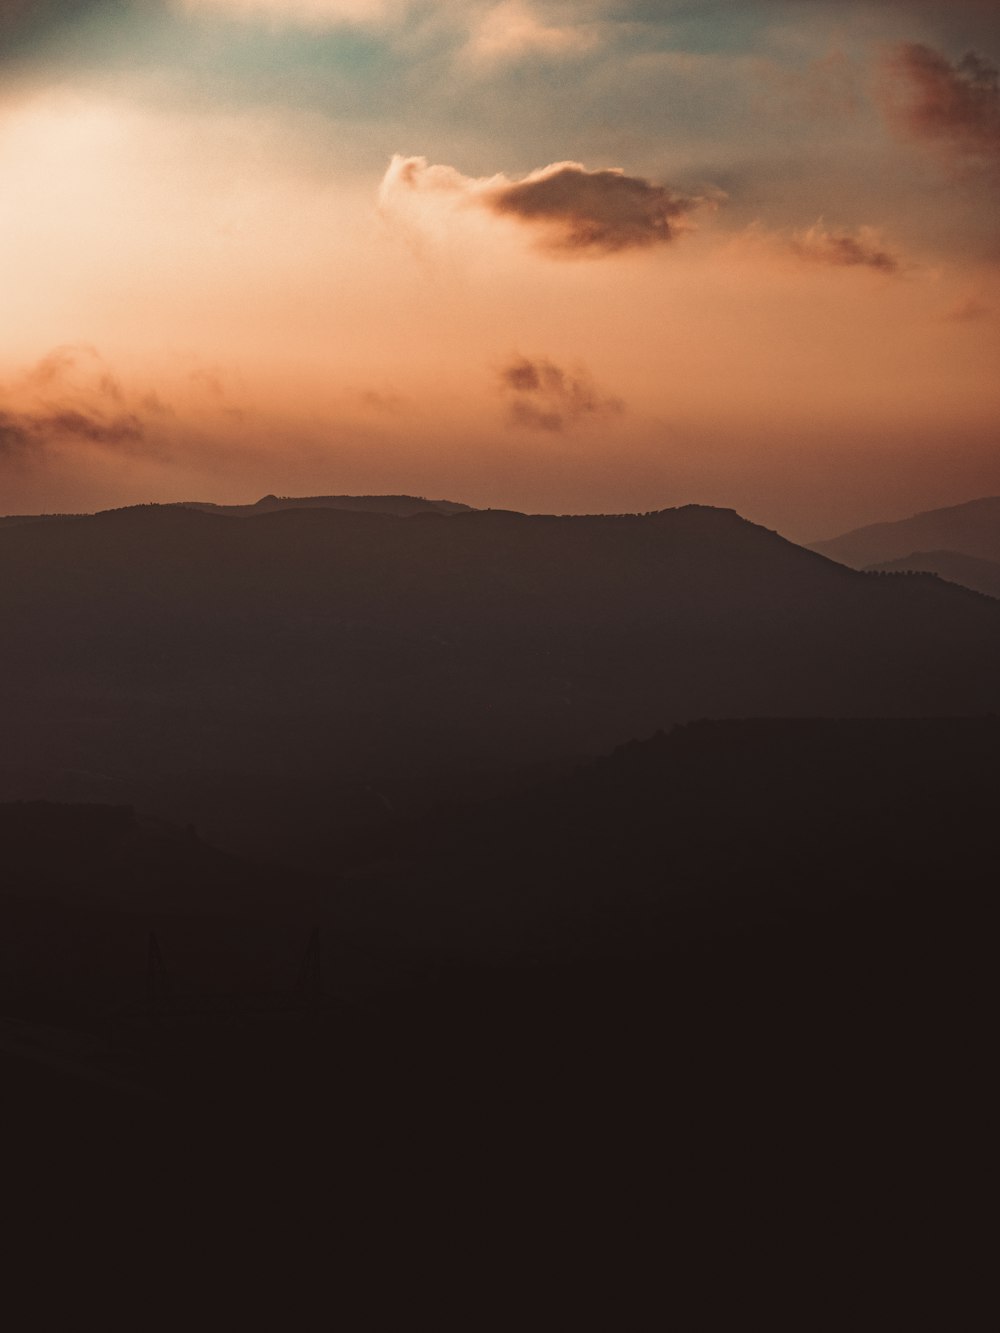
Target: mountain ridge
x=971, y=528
x=982, y=576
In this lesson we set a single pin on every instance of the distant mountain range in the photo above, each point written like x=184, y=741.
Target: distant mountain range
x=329, y=666
x=960, y=543
x=979, y=575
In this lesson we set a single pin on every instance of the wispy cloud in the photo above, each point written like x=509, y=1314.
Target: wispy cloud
x=513, y=29
x=310, y=13
x=70, y=397
x=25, y=433
x=543, y=396
x=863, y=248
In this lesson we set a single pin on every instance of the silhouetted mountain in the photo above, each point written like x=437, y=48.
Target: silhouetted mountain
x=979, y=575
x=170, y=659
x=969, y=529
x=402, y=506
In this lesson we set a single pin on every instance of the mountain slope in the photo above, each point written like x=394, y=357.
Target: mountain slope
x=979, y=575
x=970, y=529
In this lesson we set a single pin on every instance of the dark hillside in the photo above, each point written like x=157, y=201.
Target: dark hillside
x=82, y=886
x=381, y=658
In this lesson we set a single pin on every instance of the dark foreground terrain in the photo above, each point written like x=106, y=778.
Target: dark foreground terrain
x=745, y=961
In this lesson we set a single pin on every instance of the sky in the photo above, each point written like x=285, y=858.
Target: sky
x=547, y=255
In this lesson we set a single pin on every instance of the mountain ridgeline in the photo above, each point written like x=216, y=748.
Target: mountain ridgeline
x=960, y=544
x=981, y=576
x=194, y=665
x=402, y=506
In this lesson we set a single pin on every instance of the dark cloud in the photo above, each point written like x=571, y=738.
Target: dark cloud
x=593, y=211
x=571, y=210
x=125, y=429
x=954, y=104
x=542, y=396
x=26, y=433
x=844, y=249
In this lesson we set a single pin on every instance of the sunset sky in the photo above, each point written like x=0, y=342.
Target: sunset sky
x=551, y=255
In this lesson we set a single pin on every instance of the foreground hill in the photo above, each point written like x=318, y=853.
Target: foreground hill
x=971, y=529
x=329, y=666
x=979, y=575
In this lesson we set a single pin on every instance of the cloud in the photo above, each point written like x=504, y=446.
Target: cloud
x=511, y=30
x=308, y=13
x=957, y=105
x=505, y=30
x=542, y=396
x=571, y=209
x=602, y=211
x=123, y=429
x=72, y=366
x=70, y=397
x=843, y=249
x=25, y=433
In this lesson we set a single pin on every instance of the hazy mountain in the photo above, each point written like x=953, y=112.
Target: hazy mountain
x=402, y=506
x=979, y=575
x=212, y=670
x=969, y=529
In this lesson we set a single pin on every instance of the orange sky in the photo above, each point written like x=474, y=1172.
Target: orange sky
x=545, y=256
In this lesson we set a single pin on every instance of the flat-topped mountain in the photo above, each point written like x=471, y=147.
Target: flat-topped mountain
x=322, y=650
x=971, y=529
x=403, y=506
